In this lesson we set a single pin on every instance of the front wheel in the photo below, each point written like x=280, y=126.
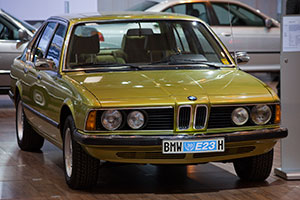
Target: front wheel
x=81, y=169
x=255, y=168
x=28, y=139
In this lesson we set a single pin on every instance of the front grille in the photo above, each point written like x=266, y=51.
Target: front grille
x=220, y=117
x=156, y=119
x=201, y=112
x=184, y=117
x=149, y=155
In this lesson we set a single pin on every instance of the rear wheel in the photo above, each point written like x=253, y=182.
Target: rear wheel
x=255, y=168
x=28, y=139
x=81, y=169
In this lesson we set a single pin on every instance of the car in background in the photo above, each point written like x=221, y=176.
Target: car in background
x=251, y=31
x=14, y=35
x=141, y=88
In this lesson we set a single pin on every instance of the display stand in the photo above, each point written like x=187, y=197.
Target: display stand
x=290, y=97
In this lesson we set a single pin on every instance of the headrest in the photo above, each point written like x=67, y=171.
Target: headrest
x=157, y=42
x=86, y=45
x=139, y=32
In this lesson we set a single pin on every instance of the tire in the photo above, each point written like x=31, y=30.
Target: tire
x=28, y=139
x=81, y=169
x=256, y=168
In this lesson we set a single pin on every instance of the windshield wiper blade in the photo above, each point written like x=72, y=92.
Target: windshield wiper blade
x=92, y=66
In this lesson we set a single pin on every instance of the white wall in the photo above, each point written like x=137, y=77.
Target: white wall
x=42, y=9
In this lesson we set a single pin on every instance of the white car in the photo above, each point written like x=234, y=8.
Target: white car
x=251, y=31
x=14, y=35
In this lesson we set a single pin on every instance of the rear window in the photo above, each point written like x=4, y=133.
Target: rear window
x=142, y=6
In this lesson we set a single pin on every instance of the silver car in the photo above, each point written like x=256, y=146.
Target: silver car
x=253, y=32
x=14, y=35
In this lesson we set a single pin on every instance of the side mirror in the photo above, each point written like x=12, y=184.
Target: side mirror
x=45, y=64
x=242, y=57
x=269, y=23
x=23, y=35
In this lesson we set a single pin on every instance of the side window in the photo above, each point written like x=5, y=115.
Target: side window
x=169, y=10
x=181, y=9
x=197, y=10
x=238, y=15
x=43, y=41
x=54, y=51
x=7, y=30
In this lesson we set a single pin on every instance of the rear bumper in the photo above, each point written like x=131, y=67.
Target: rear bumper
x=117, y=140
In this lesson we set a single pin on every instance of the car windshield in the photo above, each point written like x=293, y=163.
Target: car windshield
x=135, y=44
x=143, y=6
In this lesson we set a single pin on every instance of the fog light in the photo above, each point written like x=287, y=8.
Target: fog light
x=111, y=119
x=135, y=119
x=240, y=116
x=261, y=114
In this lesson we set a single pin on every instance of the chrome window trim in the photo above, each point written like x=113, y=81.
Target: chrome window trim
x=124, y=108
x=191, y=115
x=206, y=117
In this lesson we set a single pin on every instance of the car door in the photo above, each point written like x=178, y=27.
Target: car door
x=50, y=85
x=248, y=33
x=34, y=90
x=8, y=49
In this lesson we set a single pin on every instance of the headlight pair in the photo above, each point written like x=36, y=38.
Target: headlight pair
x=113, y=119
x=259, y=114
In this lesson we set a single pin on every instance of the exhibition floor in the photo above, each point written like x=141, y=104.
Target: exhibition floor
x=26, y=175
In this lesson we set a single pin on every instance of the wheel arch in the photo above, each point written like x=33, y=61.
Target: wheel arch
x=66, y=110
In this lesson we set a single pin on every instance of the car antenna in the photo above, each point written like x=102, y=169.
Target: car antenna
x=232, y=37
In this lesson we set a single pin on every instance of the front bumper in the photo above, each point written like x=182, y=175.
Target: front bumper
x=138, y=140
x=148, y=149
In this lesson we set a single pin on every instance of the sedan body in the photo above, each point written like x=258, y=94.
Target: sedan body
x=12, y=44
x=140, y=88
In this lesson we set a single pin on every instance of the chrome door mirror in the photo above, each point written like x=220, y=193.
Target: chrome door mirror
x=45, y=64
x=269, y=23
x=23, y=35
x=242, y=57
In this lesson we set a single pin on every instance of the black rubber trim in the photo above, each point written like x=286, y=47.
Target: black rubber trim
x=44, y=117
x=139, y=140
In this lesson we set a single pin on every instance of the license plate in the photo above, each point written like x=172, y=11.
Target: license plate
x=193, y=146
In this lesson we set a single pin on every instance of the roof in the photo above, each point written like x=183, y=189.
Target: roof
x=121, y=16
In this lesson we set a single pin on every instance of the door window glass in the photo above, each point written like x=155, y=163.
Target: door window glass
x=44, y=40
x=236, y=15
x=54, y=51
x=181, y=9
x=7, y=30
x=194, y=9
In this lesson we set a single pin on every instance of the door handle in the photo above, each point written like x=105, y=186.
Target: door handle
x=226, y=34
x=39, y=77
x=25, y=70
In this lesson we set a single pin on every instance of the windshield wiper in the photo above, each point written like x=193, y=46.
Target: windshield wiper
x=93, y=66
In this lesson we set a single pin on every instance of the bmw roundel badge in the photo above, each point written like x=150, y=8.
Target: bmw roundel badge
x=192, y=98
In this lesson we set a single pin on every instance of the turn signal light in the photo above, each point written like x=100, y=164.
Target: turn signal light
x=91, y=121
x=277, y=114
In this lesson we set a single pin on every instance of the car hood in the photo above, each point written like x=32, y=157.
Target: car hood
x=169, y=87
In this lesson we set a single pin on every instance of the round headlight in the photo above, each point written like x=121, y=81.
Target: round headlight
x=240, y=116
x=135, y=119
x=261, y=114
x=111, y=119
